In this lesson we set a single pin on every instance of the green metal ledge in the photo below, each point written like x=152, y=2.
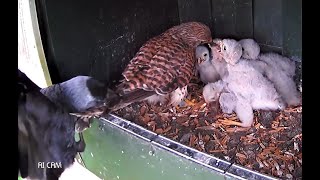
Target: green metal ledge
x=119, y=149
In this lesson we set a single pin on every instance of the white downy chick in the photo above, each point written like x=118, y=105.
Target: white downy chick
x=212, y=91
x=282, y=80
x=207, y=71
x=250, y=49
x=278, y=69
x=211, y=67
x=218, y=92
x=251, y=89
x=217, y=60
x=279, y=62
x=231, y=51
x=228, y=102
x=177, y=96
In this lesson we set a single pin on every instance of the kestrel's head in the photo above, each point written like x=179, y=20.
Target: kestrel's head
x=250, y=49
x=202, y=53
x=194, y=33
x=230, y=50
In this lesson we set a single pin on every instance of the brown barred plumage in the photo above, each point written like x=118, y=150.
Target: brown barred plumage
x=163, y=64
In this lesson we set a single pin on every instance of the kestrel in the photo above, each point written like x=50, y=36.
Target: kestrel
x=162, y=65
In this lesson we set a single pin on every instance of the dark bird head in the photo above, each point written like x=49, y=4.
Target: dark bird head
x=46, y=133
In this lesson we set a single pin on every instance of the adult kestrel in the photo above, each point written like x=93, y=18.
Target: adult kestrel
x=162, y=65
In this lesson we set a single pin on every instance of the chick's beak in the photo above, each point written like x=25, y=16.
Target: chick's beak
x=200, y=60
x=214, y=44
x=216, y=50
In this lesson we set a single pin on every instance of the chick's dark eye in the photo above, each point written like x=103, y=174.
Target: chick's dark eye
x=224, y=48
x=205, y=55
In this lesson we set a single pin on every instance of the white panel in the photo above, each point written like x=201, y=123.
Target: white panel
x=31, y=59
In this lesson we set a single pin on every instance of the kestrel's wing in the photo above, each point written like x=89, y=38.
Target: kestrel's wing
x=161, y=65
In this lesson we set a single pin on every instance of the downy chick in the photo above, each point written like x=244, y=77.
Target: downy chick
x=217, y=92
x=205, y=68
x=251, y=89
x=250, y=49
x=209, y=64
x=278, y=69
x=212, y=91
